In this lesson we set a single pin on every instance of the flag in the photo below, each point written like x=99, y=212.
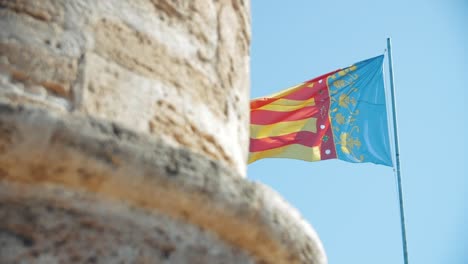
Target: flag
x=339, y=115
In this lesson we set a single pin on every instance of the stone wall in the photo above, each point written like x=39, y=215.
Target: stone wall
x=124, y=134
x=53, y=225
x=176, y=69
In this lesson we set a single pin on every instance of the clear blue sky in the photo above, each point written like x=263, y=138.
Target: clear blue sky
x=354, y=207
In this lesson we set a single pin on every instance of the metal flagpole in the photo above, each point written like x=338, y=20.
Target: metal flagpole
x=397, y=155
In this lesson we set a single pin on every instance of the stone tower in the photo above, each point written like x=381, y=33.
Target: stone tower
x=124, y=135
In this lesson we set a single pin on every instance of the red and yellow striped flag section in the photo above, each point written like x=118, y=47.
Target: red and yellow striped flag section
x=341, y=114
x=293, y=123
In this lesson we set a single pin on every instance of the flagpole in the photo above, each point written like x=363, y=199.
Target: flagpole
x=397, y=154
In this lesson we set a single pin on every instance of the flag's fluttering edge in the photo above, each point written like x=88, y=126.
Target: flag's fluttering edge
x=341, y=114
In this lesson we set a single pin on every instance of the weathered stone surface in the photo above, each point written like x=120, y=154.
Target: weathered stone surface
x=124, y=135
x=126, y=61
x=86, y=155
x=52, y=225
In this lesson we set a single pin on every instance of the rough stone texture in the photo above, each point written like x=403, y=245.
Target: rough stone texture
x=53, y=225
x=124, y=133
x=177, y=69
x=82, y=154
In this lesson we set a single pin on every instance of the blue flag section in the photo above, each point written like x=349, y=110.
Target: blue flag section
x=358, y=113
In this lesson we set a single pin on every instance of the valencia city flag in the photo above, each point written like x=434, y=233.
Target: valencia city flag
x=339, y=115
